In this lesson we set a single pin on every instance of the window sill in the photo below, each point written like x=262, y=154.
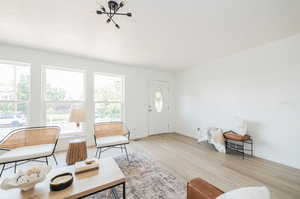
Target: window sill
x=74, y=134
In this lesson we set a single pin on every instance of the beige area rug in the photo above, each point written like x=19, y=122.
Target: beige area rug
x=145, y=179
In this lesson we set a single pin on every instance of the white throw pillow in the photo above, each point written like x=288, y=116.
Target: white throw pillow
x=247, y=193
x=240, y=126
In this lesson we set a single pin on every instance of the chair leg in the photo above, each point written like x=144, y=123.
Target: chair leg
x=15, y=169
x=99, y=154
x=97, y=149
x=55, y=159
x=114, y=193
x=126, y=152
x=2, y=170
x=243, y=150
x=121, y=148
x=47, y=160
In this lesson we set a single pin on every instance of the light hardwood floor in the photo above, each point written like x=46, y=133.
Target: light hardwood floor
x=187, y=159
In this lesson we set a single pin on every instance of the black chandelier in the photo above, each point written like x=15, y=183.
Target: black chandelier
x=112, y=10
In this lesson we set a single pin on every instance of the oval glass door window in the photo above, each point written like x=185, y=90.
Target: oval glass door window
x=158, y=100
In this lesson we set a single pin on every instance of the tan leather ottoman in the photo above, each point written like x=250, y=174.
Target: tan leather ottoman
x=200, y=189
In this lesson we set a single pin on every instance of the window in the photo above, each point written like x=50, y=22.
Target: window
x=14, y=95
x=158, y=100
x=63, y=91
x=108, y=96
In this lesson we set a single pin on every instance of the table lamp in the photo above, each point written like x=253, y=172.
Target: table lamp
x=77, y=115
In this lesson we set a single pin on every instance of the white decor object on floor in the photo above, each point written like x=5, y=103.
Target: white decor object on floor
x=247, y=193
x=26, y=180
x=213, y=136
x=240, y=126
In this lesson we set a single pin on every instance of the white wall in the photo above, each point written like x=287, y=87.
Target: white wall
x=136, y=83
x=261, y=85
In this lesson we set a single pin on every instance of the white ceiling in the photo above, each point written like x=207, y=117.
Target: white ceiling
x=166, y=34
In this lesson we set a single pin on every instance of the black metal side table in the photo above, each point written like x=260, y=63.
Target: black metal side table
x=237, y=143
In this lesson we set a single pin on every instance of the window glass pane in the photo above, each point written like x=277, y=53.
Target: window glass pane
x=7, y=83
x=107, y=112
x=14, y=82
x=14, y=96
x=108, y=88
x=23, y=83
x=64, y=85
x=64, y=92
x=158, y=100
x=59, y=114
x=13, y=114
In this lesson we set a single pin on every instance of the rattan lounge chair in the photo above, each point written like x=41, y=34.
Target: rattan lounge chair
x=26, y=144
x=111, y=135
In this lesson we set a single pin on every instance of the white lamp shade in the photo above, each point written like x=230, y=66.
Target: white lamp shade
x=77, y=115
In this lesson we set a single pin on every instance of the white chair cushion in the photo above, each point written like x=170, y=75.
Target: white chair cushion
x=27, y=152
x=247, y=193
x=111, y=140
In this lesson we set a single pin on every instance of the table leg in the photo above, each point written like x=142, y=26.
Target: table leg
x=124, y=190
x=2, y=170
x=252, y=148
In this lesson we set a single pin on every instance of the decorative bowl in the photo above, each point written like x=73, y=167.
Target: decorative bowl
x=26, y=180
x=61, y=181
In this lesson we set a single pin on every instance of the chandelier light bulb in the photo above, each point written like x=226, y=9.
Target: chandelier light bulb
x=101, y=6
x=123, y=3
x=100, y=3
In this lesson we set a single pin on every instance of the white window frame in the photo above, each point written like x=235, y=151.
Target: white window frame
x=28, y=102
x=43, y=93
x=123, y=80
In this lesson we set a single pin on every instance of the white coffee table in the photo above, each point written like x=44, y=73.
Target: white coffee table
x=88, y=183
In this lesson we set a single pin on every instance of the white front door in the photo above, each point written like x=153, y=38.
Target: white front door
x=159, y=107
